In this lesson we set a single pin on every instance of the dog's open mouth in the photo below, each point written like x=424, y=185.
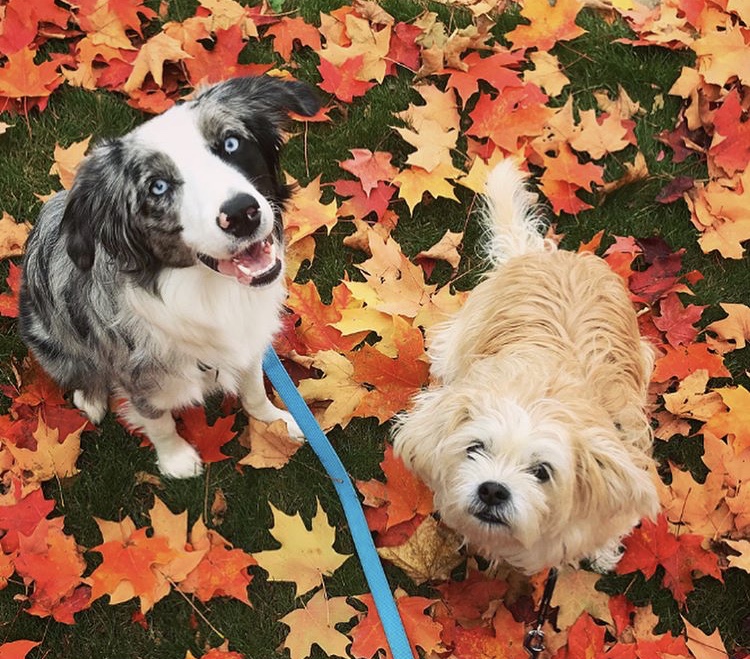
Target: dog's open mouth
x=254, y=266
x=488, y=517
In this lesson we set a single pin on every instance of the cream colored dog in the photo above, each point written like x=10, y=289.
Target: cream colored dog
x=534, y=439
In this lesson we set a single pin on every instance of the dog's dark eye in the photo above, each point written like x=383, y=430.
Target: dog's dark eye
x=475, y=447
x=231, y=144
x=541, y=472
x=159, y=187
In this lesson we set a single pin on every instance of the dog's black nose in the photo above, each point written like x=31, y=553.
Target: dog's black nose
x=492, y=493
x=239, y=216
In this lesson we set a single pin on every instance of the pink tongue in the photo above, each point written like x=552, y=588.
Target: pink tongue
x=248, y=265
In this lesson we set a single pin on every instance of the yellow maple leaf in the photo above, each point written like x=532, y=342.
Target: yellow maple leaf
x=337, y=386
x=67, y=161
x=270, y=444
x=446, y=249
x=372, y=45
x=547, y=73
x=52, y=458
x=13, y=236
x=732, y=332
x=306, y=555
x=413, y=182
x=306, y=213
x=430, y=554
x=575, y=593
x=734, y=423
x=314, y=624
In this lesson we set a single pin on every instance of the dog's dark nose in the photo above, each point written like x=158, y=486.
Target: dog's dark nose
x=492, y=493
x=239, y=216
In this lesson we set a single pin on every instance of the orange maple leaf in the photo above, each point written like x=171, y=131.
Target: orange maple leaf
x=403, y=495
x=679, y=362
x=25, y=84
x=290, y=30
x=368, y=637
x=391, y=382
x=222, y=571
x=51, y=561
x=735, y=422
x=208, y=440
x=550, y=23
x=343, y=81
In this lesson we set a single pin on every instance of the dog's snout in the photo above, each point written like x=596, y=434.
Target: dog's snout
x=492, y=493
x=239, y=216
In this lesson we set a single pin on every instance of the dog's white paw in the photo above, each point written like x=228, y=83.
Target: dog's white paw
x=179, y=460
x=95, y=410
x=295, y=432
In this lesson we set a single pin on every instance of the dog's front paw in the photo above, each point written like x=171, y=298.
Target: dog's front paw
x=295, y=432
x=179, y=460
x=95, y=410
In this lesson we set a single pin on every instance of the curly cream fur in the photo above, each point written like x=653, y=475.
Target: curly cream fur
x=544, y=365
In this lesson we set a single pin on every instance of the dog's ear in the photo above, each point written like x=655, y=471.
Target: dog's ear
x=264, y=95
x=612, y=475
x=99, y=212
x=422, y=437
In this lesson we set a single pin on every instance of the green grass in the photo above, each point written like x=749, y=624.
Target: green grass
x=106, y=487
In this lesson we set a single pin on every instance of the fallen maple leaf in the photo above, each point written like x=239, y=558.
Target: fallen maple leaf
x=368, y=637
x=446, y=249
x=271, y=446
x=733, y=423
x=730, y=333
x=290, y=30
x=575, y=593
x=305, y=556
x=549, y=24
x=151, y=57
x=343, y=80
x=208, y=440
x=223, y=570
x=67, y=161
x=369, y=167
x=50, y=563
x=17, y=649
x=314, y=624
x=12, y=236
x=403, y=494
x=430, y=554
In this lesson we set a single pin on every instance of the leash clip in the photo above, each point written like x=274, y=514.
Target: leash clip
x=534, y=642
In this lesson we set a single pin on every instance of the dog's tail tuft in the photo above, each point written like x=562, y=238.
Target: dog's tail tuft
x=510, y=216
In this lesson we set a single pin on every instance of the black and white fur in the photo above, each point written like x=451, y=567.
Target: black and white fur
x=158, y=277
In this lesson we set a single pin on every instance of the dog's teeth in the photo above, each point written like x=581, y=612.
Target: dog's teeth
x=244, y=269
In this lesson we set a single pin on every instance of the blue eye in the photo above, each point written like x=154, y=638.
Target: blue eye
x=159, y=187
x=231, y=144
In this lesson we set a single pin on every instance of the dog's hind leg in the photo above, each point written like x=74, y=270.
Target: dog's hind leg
x=92, y=406
x=257, y=405
x=175, y=457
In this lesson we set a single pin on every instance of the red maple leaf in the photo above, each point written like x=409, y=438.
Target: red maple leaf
x=515, y=113
x=652, y=544
x=678, y=321
x=467, y=600
x=370, y=168
x=368, y=637
x=342, y=81
x=17, y=649
x=221, y=61
x=359, y=204
x=493, y=69
x=20, y=24
x=208, y=440
x=732, y=151
x=403, y=48
x=9, y=301
x=22, y=517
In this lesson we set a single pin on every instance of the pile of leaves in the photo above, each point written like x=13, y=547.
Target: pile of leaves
x=488, y=81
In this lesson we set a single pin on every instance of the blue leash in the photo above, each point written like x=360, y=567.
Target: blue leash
x=368, y=556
